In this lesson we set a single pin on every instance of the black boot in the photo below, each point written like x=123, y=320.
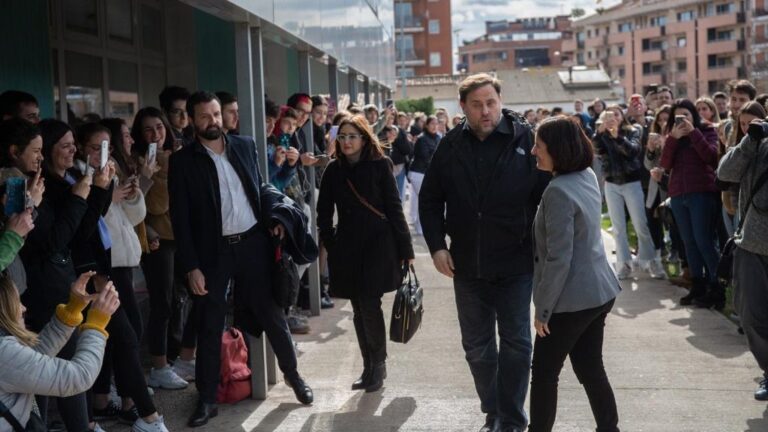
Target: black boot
x=714, y=298
x=698, y=289
x=378, y=374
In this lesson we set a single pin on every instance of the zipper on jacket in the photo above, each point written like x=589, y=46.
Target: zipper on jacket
x=479, y=236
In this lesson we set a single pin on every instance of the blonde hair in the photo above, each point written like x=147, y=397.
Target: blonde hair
x=712, y=107
x=10, y=310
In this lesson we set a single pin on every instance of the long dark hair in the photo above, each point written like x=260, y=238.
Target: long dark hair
x=125, y=162
x=685, y=104
x=140, y=145
x=52, y=131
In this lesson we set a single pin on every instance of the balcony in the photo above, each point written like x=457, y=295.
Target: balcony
x=409, y=23
x=722, y=73
x=410, y=57
x=760, y=15
x=677, y=52
x=651, y=56
x=722, y=46
x=721, y=20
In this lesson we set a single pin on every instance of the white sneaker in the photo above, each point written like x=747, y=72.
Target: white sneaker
x=98, y=428
x=656, y=269
x=185, y=369
x=166, y=378
x=157, y=426
x=624, y=272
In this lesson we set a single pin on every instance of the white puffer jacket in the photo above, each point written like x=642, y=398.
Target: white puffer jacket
x=121, y=220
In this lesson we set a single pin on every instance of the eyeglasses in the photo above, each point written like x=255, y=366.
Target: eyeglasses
x=350, y=137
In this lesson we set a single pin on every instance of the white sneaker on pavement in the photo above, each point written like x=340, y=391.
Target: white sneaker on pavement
x=656, y=269
x=166, y=378
x=624, y=271
x=97, y=428
x=185, y=369
x=157, y=426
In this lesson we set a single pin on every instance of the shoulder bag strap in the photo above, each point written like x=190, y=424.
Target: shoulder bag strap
x=5, y=412
x=365, y=202
x=758, y=184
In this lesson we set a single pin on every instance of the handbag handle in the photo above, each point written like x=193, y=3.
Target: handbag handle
x=365, y=202
x=409, y=270
x=5, y=413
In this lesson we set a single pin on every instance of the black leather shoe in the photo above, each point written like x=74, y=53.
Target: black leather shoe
x=376, y=380
x=301, y=390
x=203, y=413
x=490, y=424
x=761, y=393
x=363, y=381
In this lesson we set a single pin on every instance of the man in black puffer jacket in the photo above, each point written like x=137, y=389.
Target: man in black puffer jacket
x=482, y=189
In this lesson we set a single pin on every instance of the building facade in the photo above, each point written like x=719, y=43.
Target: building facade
x=424, y=37
x=526, y=42
x=757, y=53
x=695, y=47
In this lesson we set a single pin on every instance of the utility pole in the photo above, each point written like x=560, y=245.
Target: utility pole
x=401, y=51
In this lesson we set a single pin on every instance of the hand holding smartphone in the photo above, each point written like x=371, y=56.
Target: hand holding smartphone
x=152, y=153
x=104, y=155
x=16, y=192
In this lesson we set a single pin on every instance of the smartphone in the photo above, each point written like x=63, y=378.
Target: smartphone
x=152, y=153
x=16, y=191
x=653, y=136
x=285, y=141
x=104, y=156
x=388, y=103
x=322, y=157
x=334, y=131
x=610, y=115
x=634, y=99
x=679, y=119
x=87, y=169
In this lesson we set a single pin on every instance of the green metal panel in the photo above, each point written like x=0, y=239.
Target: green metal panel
x=292, y=71
x=26, y=58
x=216, y=69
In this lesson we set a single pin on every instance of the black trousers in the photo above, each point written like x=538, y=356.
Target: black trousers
x=122, y=357
x=655, y=225
x=247, y=264
x=370, y=330
x=73, y=409
x=578, y=335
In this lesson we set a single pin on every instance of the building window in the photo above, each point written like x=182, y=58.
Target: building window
x=580, y=58
x=723, y=9
x=434, y=59
x=658, y=21
x=714, y=35
x=715, y=62
x=589, y=34
x=404, y=48
x=532, y=57
x=407, y=72
x=622, y=73
x=620, y=50
x=625, y=27
x=686, y=16
x=652, y=69
x=81, y=16
x=589, y=55
x=434, y=26
x=682, y=41
x=654, y=45
x=597, y=32
x=682, y=66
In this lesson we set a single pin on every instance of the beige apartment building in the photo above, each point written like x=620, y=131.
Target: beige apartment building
x=695, y=47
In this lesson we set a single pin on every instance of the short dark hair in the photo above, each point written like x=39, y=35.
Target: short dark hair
x=663, y=89
x=318, y=100
x=198, y=98
x=719, y=95
x=557, y=111
x=474, y=82
x=171, y=94
x=18, y=132
x=11, y=101
x=85, y=131
x=567, y=144
x=762, y=98
x=295, y=99
x=289, y=113
x=742, y=86
x=226, y=98
x=271, y=109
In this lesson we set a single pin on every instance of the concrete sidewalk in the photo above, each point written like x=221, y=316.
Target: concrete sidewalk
x=673, y=369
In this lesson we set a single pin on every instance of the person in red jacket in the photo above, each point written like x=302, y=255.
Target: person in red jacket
x=690, y=157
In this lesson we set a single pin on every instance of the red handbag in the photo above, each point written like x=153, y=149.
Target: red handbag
x=235, y=379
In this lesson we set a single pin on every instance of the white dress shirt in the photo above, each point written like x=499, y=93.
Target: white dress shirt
x=236, y=213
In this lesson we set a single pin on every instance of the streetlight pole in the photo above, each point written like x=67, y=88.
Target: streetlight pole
x=401, y=51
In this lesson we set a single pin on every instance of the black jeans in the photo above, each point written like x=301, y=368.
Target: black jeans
x=122, y=356
x=655, y=226
x=122, y=277
x=500, y=373
x=247, y=264
x=578, y=335
x=73, y=409
x=370, y=330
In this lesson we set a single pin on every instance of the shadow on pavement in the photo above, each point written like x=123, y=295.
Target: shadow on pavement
x=711, y=336
x=634, y=301
x=758, y=424
x=359, y=414
x=272, y=421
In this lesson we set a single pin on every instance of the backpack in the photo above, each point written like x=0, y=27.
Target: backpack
x=235, y=375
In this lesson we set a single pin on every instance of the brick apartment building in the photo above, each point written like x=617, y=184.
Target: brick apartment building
x=757, y=53
x=525, y=42
x=423, y=37
x=693, y=46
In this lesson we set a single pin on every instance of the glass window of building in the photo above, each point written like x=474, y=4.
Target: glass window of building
x=686, y=16
x=81, y=16
x=682, y=41
x=434, y=59
x=625, y=27
x=120, y=20
x=84, y=84
x=123, y=90
x=152, y=28
x=434, y=26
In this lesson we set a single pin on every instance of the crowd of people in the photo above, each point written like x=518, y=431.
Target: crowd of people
x=178, y=194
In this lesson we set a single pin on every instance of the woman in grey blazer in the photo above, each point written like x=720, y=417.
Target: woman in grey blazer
x=574, y=287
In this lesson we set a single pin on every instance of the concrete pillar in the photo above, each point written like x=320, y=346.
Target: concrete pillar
x=352, y=77
x=333, y=83
x=367, y=90
x=314, y=269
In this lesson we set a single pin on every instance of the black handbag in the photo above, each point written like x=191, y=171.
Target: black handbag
x=408, y=309
x=725, y=265
x=34, y=424
x=285, y=278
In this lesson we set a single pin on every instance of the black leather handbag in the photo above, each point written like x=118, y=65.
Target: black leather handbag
x=34, y=424
x=285, y=278
x=408, y=309
x=725, y=265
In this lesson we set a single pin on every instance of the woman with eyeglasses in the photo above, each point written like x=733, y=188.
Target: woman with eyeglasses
x=360, y=187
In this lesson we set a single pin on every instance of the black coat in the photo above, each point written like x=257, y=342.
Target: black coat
x=63, y=219
x=490, y=237
x=195, y=200
x=423, y=151
x=364, y=251
x=402, y=149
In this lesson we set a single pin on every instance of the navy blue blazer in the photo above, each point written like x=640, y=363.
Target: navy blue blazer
x=195, y=199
